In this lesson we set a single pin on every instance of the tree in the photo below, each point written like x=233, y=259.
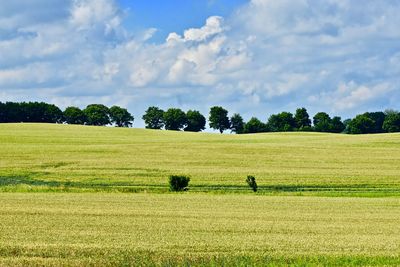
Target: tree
x=74, y=115
x=121, y=117
x=13, y=112
x=302, y=119
x=30, y=112
x=97, y=114
x=322, y=122
x=2, y=112
x=52, y=114
x=337, y=125
x=237, y=124
x=378, y=118
x=361, y=124
x=392, y=121
x=254, y=125
x=154, y=118
x=282, y=122
x=178, y=183
x=251, y=181
x=346, y=123
x=196, y=122
x=34, y=112
x=368, y=122
x=174, y=119
x=219, y=119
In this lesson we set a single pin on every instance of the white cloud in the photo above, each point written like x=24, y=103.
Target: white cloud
x=180, y=70
x=337, y=56
x=213, y=26
x=362, y=94
x=28, y=77
x=350, y=95
x=86, y=14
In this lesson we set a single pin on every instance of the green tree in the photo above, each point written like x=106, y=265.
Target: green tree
x=52, y=113
x=121, y=117
x=282, y=122
x=74, y=115
x=337, y=126
x=174, y=119
x=378, y=118
x=237, y=124
x=31, y=112
x=2, y=112
x=219, y=119
x=361, y=124
x=196, y=122
x=37, y=112
x=254, y=125
x=322, y=122
x=392, y=121
x=346, y=122
x=178, y=183
x=13, y=112
x=303, y=122
x=154, y=118
x=251, y=181
x=97, y=114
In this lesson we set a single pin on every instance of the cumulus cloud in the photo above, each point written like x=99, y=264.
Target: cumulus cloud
x=350, y=95
x=212, y=27
x=336, y=56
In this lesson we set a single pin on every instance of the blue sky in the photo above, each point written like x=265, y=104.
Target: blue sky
x=254, y=57
x=174, y=15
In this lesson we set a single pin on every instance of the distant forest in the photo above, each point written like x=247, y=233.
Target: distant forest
x=194, y=121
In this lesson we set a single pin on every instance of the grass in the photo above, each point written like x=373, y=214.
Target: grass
x=77, y=214
x=197, y=229
x=45, y=157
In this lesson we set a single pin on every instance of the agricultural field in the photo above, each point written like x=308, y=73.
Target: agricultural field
x=198, y=229
x=98, y=196
x=40, y=157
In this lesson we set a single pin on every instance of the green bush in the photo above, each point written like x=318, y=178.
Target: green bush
x=178, y=183
x=251, y=181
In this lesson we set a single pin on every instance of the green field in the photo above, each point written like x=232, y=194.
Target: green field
x=62, y=157
x=79, y=195
x=117, y=229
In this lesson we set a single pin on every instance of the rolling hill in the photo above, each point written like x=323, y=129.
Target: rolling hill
x=43, y=157
x=323, y=199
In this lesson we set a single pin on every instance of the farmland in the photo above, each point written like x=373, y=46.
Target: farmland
x=40, y=157
x=117, y=229
x=79, y=195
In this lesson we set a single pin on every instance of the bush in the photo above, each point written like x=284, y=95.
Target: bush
x=251, y=181
x=178, y=183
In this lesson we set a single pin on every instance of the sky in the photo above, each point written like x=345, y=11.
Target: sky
x=253, y=57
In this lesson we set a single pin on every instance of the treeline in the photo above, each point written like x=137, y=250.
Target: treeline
x=176, y=119
x=94, y=114
x=193, y=121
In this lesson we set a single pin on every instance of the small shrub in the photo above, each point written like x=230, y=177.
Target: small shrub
x=251, y=181
x=178, y=182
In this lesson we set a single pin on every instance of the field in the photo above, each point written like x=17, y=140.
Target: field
x=119, y=229
x=98, y=196
x=75, y=158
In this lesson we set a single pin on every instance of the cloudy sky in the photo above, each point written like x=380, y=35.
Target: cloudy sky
x=253, y=57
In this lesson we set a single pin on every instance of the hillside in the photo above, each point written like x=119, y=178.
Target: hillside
x=218, y=224
x=63, y=157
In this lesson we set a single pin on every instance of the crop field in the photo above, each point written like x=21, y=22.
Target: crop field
x=40, y=157
x=98, y=196
x=170, y=229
